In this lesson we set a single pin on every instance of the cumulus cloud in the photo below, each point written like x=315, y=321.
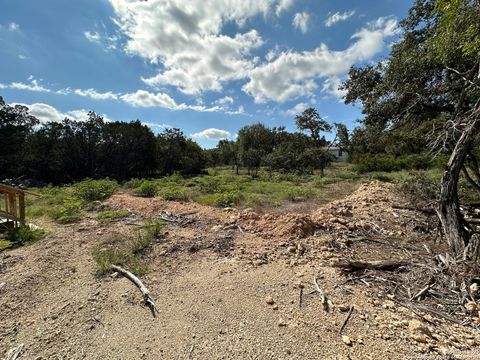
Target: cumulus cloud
x=212, y=134
x=186, y=40
x=46, y=113
x=224, y=101
x=143, y=98
x=338, y=16
x=293, y=74
x=301, y=21
x=297, y=109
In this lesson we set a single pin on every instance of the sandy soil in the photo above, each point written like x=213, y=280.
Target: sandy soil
x=213, y=279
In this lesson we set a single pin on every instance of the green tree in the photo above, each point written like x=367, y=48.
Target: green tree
x=310, y=121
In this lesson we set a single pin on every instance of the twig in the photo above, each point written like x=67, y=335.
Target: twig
x=300, y=298
x=14, y=353
x=147, y=298
x=421, y=292
x=346, y=319
x=323, y=297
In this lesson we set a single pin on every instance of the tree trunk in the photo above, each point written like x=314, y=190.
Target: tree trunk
x=453, y=224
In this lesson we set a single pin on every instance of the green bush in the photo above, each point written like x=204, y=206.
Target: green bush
x=388, y=163
x=148, y=188
x=93, y=190
x=105, y=258
x=133, y=183
x=153, y=229
x=23, y=235
x=112, y=215
x=420, y=186
x=173, y=193
x=69, y=212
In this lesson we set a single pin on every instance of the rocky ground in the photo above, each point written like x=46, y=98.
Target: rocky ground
x=231, y=284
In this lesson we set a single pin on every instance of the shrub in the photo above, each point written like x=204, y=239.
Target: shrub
x=112, y=215
x=294, y=193
x=133, y=183
x=388, y=163
x=420, y=186
x=227, y=198
x=69, y=212
x=23, y=235
x=148, y=188
x=153, y=229
x=105, y=258
x=93, y=190
x=173, y=193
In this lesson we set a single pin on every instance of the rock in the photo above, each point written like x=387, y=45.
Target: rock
x=275, y=307
x=269, y=300
x=470, y=342
x=346, y=340
x=282, y=323
x=216, y=228
x=419, y=327
x=473, y=289
x=2, y=285
x=291, y=249
x=343, y=308
x=388, y=304
x=471, y=306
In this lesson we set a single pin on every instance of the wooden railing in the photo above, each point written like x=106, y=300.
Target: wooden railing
x=13, y=206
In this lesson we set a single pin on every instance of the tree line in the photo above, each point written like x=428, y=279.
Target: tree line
x=69, y=151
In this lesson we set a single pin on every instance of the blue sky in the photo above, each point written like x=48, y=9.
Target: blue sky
x=207, y=67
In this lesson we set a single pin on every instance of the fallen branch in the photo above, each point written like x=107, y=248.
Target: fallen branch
x=14, y=353
x=353, y=265
x=346, y=319
x=429, y=211
x=323, y=297
x=421, y=292
x=147, y=298
x=300, y=298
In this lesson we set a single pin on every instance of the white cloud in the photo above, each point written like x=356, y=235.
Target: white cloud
x=108, y=42
x=283, y=5
x=301, y=21
x=22, y=57
x=13, y=26
x=239, y=111
x=212, y=134
x=142, y=98
x=331, y=86
x=93, y=37
x=338, y=16
x=94, y=94
x=46, y=113
x=297, y=109
x=224, y=101
x=293, y=74
x=34, y=85
x=185, y=39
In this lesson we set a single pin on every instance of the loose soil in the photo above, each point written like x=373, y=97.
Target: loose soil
x=227, y=284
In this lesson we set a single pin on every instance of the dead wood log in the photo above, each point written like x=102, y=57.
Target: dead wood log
x=323, y=297
x=353, y=265
x=147, y=297
x=14, y=353
x=429, y=211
